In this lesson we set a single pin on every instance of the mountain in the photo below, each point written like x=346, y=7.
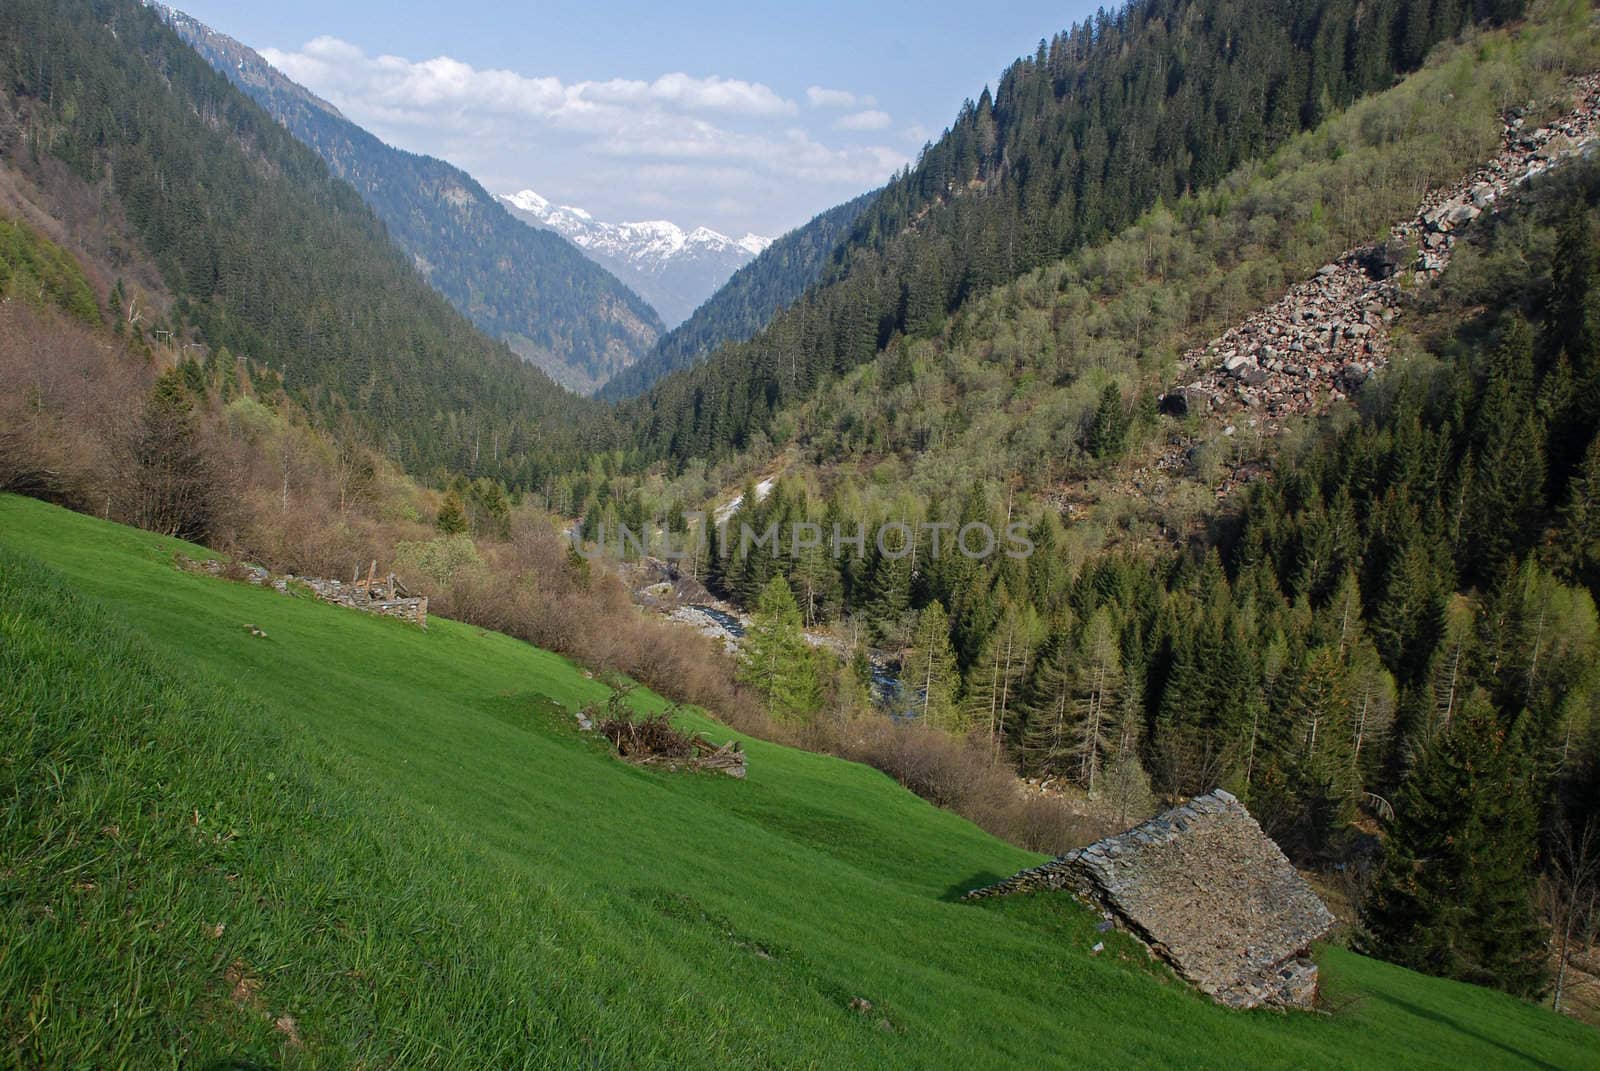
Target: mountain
x=745, y=303
x=1342, y=612
x=551, y=304
x=254, y=247
x=1108, y=118
x=673, y=269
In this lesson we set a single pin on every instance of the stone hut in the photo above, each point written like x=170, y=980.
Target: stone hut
x=1208, y=892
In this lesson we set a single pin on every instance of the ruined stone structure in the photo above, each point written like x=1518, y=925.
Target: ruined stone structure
x=1208, y=892
x=385, y=596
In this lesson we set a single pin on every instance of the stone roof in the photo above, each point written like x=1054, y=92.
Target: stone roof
x=1209, y=892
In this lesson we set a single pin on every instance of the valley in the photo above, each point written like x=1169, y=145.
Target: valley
x=1119, y=588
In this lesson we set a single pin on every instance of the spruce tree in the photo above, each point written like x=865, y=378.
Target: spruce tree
x=1048, y=706
x=1099, y=684
x=1455, y=896
x=775, y=658
x=1108, y=431
x=452, y=519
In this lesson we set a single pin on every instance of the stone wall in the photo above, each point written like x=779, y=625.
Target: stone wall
x=1208, y=892
x=385, y=598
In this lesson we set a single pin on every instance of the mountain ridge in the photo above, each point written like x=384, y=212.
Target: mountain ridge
x=674, y=269
x=554, y=306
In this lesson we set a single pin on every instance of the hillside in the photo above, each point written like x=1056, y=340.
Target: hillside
x=745, y=303
x=228, y=232
x=1061, y=155
x=1356, y=560
x=551, y=304
x=673, y=269
x=348, y=841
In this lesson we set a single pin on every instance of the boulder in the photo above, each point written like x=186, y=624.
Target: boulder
x=1382, y=260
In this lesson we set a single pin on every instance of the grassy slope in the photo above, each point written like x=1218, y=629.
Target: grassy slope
x=419, y=860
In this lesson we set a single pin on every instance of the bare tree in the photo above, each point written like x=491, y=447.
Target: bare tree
x=1572, y=894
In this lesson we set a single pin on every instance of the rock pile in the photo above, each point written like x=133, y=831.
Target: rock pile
x=1328, y=334
x=1208, y=892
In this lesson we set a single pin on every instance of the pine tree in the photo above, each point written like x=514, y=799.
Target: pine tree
x=993, y=682
x=774, y=657
x=1574, y=269
x=1579, y=552
x=1126, y=785
x=167, y=484
x=1455, y=896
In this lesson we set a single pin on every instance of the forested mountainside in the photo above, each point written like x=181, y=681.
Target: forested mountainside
x=1063, y=152
x=1391, y=626
x=264, y=253
x=747, y=302
x=554, y=306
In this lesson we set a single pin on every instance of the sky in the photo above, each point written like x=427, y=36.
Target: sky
x=743, y=117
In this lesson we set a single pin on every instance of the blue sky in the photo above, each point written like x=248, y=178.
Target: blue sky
x=738, y=116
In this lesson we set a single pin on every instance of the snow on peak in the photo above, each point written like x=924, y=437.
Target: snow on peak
x=647, y=244
x=527, y=200
x=673, y=269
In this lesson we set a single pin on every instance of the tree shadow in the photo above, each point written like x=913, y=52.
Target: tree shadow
x=1455, y=1024
x=966, y=885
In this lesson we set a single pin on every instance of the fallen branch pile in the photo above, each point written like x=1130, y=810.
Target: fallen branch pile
x=654, y=742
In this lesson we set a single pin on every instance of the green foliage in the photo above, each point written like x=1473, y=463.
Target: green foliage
x=1007, y=388
x=452, y=519
x=1063, y=154
x=776, y=660
x=39, y=272
x=1108, y=431
x=928, y=675
x=439, y=560
x=168, y=482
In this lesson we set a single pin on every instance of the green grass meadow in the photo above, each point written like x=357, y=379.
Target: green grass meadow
x=352, y=843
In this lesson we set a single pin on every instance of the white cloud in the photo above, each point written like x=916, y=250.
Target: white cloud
x=339, y=68
x=822, y=97
x=830, y=98
x=713, y=94
x=519, y=129
x=867, y=120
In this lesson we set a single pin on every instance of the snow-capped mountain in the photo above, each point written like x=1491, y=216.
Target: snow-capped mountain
x=673, y=269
